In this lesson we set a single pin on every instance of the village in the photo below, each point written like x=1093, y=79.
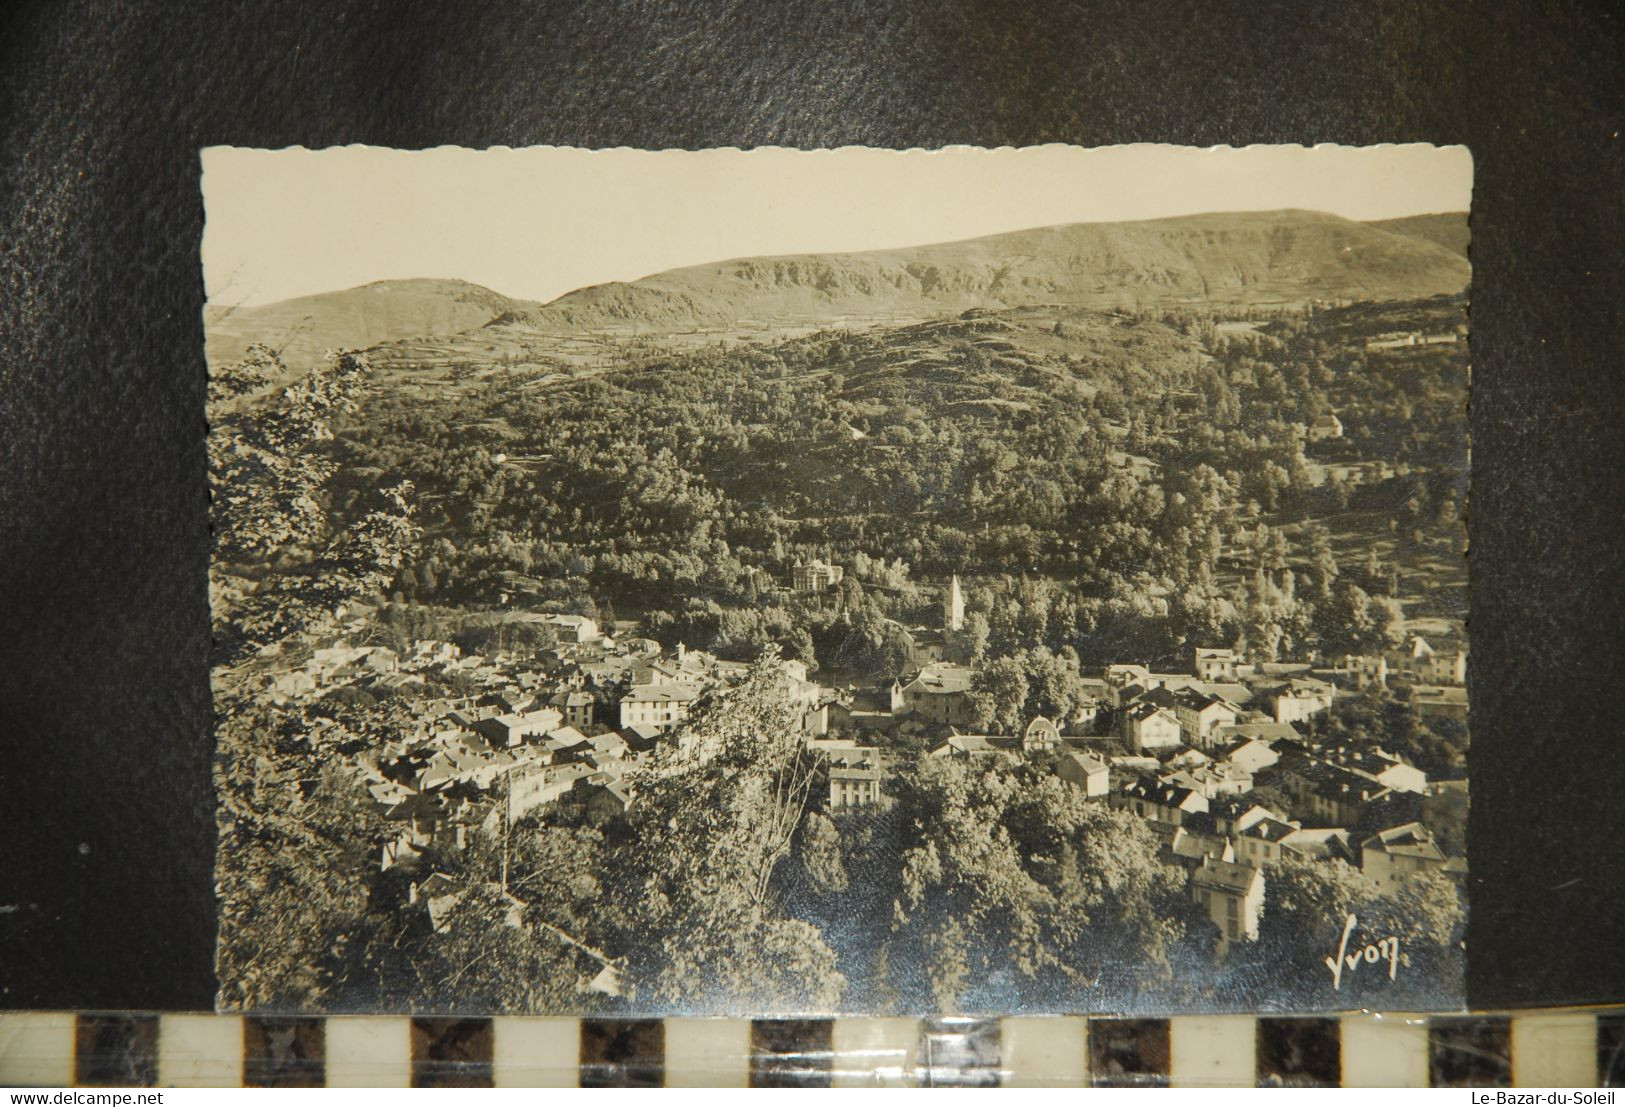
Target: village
x=1223, y=759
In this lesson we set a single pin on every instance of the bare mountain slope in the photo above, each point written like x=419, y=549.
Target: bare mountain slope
x=303, y=329
x=1224, y=259
x=1447, y=229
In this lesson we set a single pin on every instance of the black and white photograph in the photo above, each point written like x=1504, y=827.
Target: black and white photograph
x=771, y=582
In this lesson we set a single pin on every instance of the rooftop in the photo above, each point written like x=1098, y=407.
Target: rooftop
x=1268, y=732
x=1226, y=876
x=663, y=693
x=1407, y=840
x=1428, y=694
x=1145, y=709
x=944, y=678
x=1088, y=762
x=1270, y=829
x=1199, y=699
x=1166, y=795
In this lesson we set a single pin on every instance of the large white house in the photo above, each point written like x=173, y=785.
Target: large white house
x=662, y=706
x=1398, y=855
x=1233, y=895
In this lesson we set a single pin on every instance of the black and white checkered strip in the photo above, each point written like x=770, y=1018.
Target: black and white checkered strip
x=1530, y=1049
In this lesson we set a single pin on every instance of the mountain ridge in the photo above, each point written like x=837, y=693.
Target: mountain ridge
x=1221, y=259
x=304, y=328
x=1238, y=259
x=1446, y=228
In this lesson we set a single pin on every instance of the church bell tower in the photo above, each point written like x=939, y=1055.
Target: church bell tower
x=953, y=606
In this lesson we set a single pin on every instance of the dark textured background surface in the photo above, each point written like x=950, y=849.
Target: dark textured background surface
x=105, y=799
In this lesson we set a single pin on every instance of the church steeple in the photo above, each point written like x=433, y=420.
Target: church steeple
x=953, y=606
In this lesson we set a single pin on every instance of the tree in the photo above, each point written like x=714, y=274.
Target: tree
x=1385, y=622
x=970, y=641
x=1322, y=562
x=360, y=563
x=265, y=467
x=716, y=814
x=1014, y=889
x=1054, y=685
x=508, y=945
x=998, y=696
x=1351, y=621
x=725, y=955
x=1309, y=903
x=259, y=366
x=820, y=850
x=268, y=472
x=1342, y=491
x=872, y=643
x=293, y=869
x=493, y=956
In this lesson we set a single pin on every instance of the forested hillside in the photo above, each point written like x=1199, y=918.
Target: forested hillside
x=1145, y=481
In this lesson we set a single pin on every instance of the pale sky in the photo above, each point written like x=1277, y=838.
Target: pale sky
x=539, y=222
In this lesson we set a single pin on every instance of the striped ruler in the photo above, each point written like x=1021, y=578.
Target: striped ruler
x=1575, y=1048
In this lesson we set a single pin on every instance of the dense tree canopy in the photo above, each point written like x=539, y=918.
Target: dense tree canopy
x=1016, y=890
x=1130, y=461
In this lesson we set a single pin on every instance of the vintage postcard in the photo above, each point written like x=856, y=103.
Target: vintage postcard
x=857, y=581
